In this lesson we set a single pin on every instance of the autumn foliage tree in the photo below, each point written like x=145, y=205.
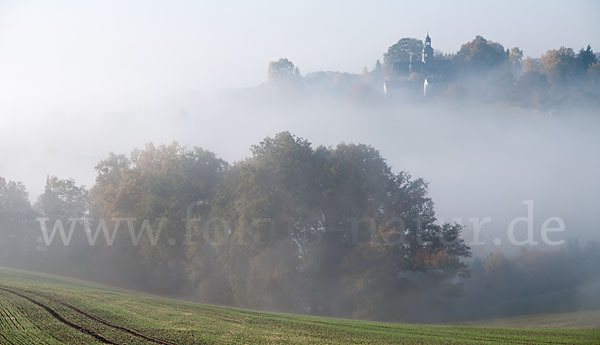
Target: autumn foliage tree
x=156, y=187
x=331, y=230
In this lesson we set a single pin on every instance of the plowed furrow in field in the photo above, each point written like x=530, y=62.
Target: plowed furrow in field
x=62, y=319
x=102, y=321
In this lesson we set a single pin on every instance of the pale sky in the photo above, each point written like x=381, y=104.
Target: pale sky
x=52, y=52
x=81, y=78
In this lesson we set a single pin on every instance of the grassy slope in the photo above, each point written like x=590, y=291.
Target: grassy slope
x=578, y=319
x=24, y=322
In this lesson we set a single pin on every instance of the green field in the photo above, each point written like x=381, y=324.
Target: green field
x=577, y=319
x=44, y=309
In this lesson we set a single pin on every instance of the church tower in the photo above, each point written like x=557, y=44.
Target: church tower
x=427, y=50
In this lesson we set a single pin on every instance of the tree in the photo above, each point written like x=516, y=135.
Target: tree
x=171, y=180
x=376, y=75
x=63, y=199
x=268, y=202
x=158, y=187
x=533, y=87
x=481, y=55
x=329, y=230
x=594, y=75
x=586, y=58
x=515, y=55
x=378, y=66
x=62, y=202
x=110, y=196
x=18, y=230
x=283, y=71
x=398, y=55
x=559, y=65
x=531, y=65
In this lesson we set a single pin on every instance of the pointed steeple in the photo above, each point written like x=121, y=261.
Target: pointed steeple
x=427, y=50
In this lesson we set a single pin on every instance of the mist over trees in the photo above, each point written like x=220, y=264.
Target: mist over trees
x=533, y=281
x=320, y=230
x=481, y=71
x=18, y=237
x=156, y=187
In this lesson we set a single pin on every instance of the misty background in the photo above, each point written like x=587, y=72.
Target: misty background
x=79, y=81
x=481, y=161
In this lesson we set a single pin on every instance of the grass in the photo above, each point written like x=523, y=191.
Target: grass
x=578, y=319
x=45, y=309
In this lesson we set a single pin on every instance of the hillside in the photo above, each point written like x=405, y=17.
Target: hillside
x=44, y=309
x=578, y=319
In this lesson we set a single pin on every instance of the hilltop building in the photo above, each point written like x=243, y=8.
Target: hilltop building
x=427, y=56
x=423, y=69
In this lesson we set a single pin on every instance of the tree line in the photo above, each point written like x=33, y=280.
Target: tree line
x=480, y=71
x=320, y=230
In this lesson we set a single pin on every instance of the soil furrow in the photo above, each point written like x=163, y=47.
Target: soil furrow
x=62, y=319
x=104, y=322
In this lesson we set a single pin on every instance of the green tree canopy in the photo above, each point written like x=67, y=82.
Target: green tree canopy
x=18, y=230
x=516, y=55
x=330, y=229
x=63, y=199
x=586, y=58
x=482, y=55
x=398, y=55
x=157, y=185
x=283, y=71
x=559, y=65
